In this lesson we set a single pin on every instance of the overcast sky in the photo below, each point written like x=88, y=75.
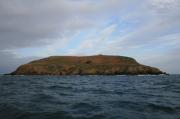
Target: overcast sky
x=147, y=30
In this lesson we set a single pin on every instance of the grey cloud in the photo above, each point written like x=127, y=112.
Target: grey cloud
x=160, y=18
x=9, y=62
x=24, y=24
x=34, y=23
x=168, y=62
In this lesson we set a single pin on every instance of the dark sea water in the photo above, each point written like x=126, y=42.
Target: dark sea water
x=90, y=97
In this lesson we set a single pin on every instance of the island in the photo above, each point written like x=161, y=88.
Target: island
x=86, y=65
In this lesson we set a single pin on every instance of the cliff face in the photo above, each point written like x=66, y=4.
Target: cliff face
x=87, y=65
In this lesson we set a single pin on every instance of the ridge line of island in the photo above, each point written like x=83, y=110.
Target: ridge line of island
x=86, y=65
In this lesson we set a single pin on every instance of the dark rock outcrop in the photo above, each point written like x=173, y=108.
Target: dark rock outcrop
x=85, y=65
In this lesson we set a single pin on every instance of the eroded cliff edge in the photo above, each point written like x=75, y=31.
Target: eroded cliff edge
x=85, y=65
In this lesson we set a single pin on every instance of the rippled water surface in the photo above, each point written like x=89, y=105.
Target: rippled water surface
x=90, y=97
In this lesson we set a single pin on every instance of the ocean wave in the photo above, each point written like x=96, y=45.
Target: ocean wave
x=155, y=107
x=9, y=111
x=89, y=97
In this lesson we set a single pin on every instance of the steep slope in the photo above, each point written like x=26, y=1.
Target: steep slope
x=85, y=65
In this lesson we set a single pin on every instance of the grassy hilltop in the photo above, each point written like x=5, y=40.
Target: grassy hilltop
x=85, y=65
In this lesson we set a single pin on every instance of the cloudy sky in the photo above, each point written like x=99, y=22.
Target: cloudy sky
x=147, y=30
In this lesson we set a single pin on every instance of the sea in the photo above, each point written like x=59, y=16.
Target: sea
x=90, y=97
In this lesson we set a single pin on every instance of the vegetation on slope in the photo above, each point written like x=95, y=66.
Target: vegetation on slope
x=86, y=65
